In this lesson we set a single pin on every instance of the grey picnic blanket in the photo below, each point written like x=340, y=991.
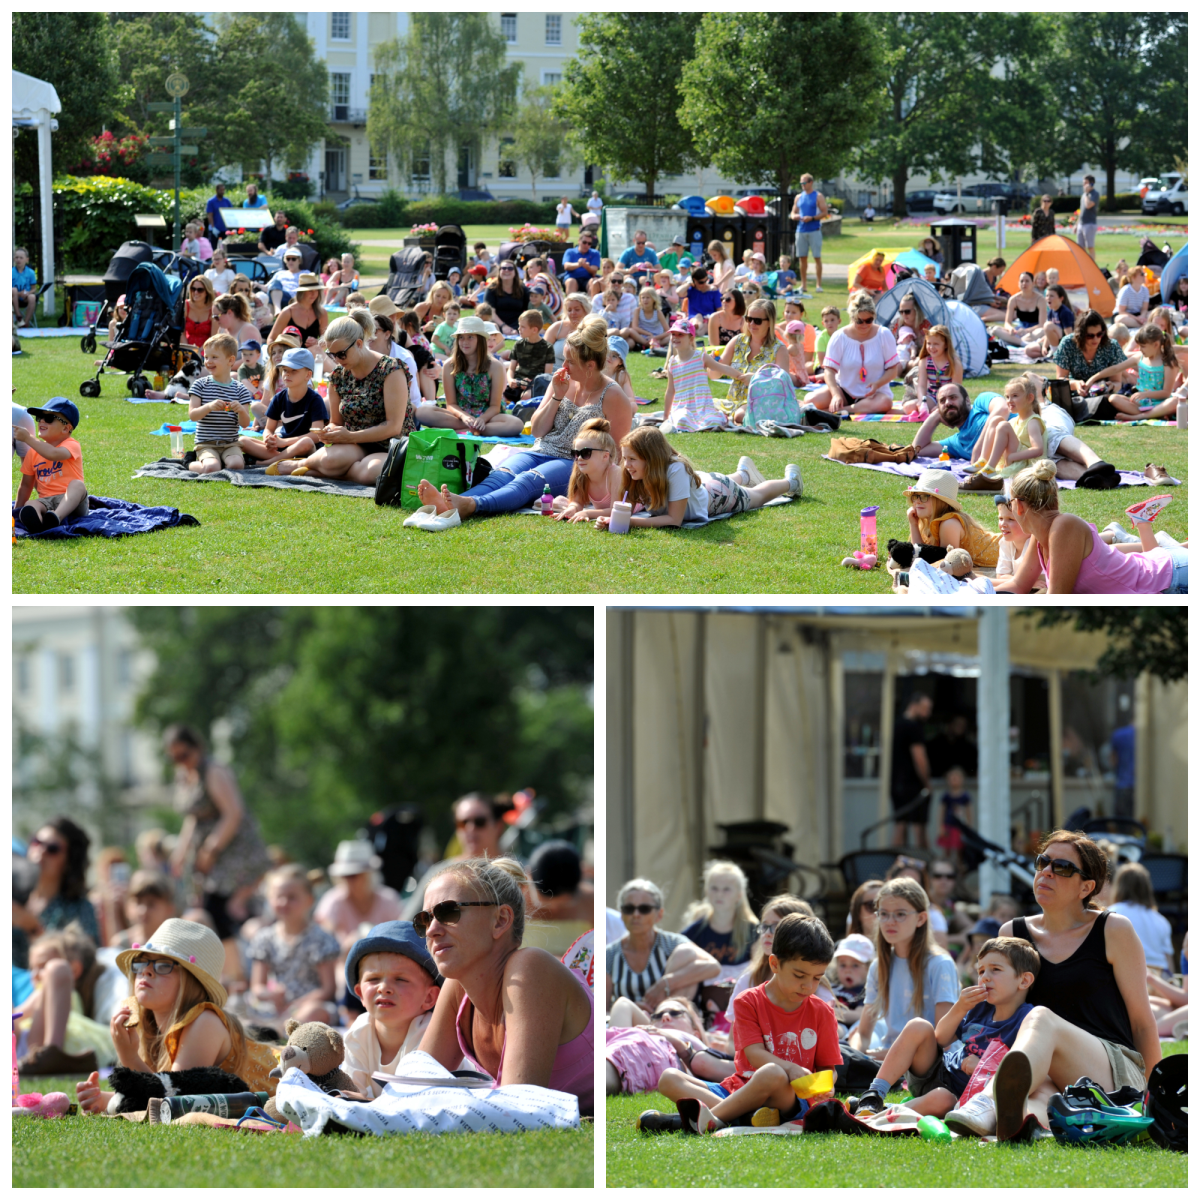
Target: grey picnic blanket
x=959, y=466
x=169, y=468
x=692, y=524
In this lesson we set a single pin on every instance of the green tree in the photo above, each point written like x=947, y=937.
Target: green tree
x=72, y=51
x=938, y=84
x=621, y=93
x=444, y=85
x=1143, y=639
x=542, y=142
x=1110, y=95
x=339, y=712
x=757, y=115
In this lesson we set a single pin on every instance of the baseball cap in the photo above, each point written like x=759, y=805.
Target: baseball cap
x=679, y=325
x=60, y=406
x=390, y=937
x=987, y=927
x=855, y=945
x=291, y=252
x=794, y=327
x=250, y=344
x=297, y=357
x=478, y=270
x=678, y=241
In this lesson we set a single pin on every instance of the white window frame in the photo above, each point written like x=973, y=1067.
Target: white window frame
x=334, y=76
x=510, y=39
x=340, y=37
x=375, y=165
x=551, y=77
x=557, y=39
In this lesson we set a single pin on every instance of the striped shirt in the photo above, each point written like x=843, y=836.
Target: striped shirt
x=220, y=426
x=635, y=984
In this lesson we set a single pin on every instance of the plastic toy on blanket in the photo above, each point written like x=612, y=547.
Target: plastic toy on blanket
x=440, y=1105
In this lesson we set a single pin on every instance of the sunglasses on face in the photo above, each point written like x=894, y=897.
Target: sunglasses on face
x=1091, y=335
x=585, y=452
x=449, y=912
x=757, y=320
x=48, y=847
x=472, y=822
x=1061, y=867
x=197, y=289
x=943, y=875
x=644, y=909
x=870, y=320
x=143, y=966
x=503, y=270
x=906, y=312
x=340, y=355
x=764, y=930
x=667, y=1012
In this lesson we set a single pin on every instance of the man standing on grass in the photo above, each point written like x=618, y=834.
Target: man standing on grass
x=808, y=211
x=1089, y=206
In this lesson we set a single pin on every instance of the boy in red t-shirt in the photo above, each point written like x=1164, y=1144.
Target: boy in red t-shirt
x=781, y=1032
x=53, y=466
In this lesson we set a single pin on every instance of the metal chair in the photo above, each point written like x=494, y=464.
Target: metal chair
x=40, y=293
x=860, y=865
x=1168, y=878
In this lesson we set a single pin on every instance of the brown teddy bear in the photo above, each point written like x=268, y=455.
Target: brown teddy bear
x=319, y=1052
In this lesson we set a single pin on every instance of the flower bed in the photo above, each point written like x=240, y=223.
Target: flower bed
x=539, y=233
x=423, y=231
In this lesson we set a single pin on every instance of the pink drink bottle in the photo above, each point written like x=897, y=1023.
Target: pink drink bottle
x=868, y=542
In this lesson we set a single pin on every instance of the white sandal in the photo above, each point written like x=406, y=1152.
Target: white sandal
x=428, y=518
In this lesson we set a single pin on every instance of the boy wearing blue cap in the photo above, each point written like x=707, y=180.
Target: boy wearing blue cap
x=393, y=974
x=52, y=466
x=294, y=416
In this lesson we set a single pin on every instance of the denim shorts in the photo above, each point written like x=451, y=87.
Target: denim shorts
x=808, y=243
x=1179, y=576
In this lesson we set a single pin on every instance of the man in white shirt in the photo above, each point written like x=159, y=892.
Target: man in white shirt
x=627, y=304
x=595, y=204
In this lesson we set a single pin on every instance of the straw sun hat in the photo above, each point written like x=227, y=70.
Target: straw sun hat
x=195, y=947
x=941, y=484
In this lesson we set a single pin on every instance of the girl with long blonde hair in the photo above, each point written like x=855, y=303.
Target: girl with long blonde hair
x=595, y=476
x=722, y=921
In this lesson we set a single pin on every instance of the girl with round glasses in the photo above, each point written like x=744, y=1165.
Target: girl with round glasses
x=516, y=1011
x=1091, y=1011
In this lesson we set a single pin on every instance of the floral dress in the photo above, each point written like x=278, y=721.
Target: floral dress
x=473, y=392
x=243, y=861
x=748, y=363
x=294, y=964
x=362, y=399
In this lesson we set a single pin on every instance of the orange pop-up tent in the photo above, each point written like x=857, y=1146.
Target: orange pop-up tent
x=1076, y=272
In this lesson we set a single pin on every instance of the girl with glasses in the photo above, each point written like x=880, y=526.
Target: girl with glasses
x=639, y=1048
x=1092, y=1012
x=516, y=1011
x=912, y=976
x=594, y=477
x=199, y=320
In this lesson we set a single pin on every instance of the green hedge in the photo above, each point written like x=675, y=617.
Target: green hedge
x=394, y=211
x=93, y=215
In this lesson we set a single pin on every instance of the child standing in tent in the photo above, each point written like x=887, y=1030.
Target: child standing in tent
x=937, y=365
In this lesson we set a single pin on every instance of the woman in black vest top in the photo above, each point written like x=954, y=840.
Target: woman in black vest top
x=1091, y=1011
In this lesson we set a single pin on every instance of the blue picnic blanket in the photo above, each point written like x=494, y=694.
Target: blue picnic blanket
x=113, y=518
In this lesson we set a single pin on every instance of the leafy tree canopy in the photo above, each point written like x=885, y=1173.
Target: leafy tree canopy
x=1143, y=639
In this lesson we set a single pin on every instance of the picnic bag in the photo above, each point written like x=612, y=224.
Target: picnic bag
x=868, y=450
x=443, y=456
x=771, y=396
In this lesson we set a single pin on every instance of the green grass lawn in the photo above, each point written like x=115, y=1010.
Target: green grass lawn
x=103, y=1152
x=267, y=540
x=639, y=1160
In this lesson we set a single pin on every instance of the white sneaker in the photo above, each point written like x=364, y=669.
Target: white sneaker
x=976, y=1117
x=747, y=468
x=1118, y=533
x=806, y=295
x=795, y=484
x=820, y=288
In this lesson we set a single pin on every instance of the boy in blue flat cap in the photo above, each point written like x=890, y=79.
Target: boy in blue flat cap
x=393, y=974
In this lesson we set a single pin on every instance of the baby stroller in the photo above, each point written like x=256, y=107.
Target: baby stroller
x=1152, y=256
x=405, y=270
x=149, y=339
x=449, y=250
x=120, y=267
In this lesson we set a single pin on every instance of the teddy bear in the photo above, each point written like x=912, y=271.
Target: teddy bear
x=133, y=1090
x=319, y=1052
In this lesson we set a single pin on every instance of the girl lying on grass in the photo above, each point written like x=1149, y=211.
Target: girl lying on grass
x=668, y=490
x=639, y=1048
x=595, y=476
x=936, y=518
x=175, y=1018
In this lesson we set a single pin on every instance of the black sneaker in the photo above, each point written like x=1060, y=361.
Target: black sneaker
x=30, y=518
x=652, y=1121
x=870, y=1103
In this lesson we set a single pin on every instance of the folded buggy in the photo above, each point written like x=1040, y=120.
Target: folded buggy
x=150, y=337
x=449, y=250
x=405, y=270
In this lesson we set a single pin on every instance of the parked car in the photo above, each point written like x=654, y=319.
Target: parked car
x=475, y=194
x=920, y=201
x=978, y=197
x=354, y=201
x=1171, y=196
x=628, y=197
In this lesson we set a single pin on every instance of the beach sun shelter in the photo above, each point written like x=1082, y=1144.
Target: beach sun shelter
x=1175, y=270
x=34, y=103
x=718, y=715
x=967, y=330
x=1077, y=272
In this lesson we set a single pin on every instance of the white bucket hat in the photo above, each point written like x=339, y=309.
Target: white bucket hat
x=353, y=858
x=941, y=484
x=195, y=947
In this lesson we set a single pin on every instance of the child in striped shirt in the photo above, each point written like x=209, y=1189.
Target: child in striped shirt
x=220, y=406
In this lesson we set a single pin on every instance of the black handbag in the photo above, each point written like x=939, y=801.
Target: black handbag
x=388, y=489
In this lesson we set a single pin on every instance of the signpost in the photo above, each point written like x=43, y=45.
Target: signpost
x=177, y=86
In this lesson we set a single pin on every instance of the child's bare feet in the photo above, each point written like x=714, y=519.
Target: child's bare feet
x=464, y=504
x=428, y=494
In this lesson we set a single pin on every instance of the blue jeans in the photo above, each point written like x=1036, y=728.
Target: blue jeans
x=520, y=482
x=1179, y=559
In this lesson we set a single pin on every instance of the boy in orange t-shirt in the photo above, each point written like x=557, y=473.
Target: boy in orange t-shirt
x=53, y=467
x=781, y=1032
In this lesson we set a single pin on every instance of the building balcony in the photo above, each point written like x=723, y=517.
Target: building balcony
x=343, y=114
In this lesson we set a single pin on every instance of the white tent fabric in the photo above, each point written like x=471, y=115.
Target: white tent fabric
x=427, y=1108
x=34, y=102
x=970, y=338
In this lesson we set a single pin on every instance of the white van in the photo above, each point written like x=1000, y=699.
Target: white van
x=1171, y=196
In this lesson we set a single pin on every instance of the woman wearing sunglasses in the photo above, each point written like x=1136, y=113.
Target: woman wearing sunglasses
x=639, y=1048
x=199, y=320
x=860, y=363
x=756, y=346
x=305, y=312
x=1091, y=1011
x=368, y=406
x=649, y=964
x=508, y=297
x=1081, y=356
x=516, y=1011
x=59, y=851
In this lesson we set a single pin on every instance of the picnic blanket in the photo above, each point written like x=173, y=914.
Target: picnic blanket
x=112, y=518
x=171, y=468
x=695, y=523
x=959, y=467
x=427, y=1107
